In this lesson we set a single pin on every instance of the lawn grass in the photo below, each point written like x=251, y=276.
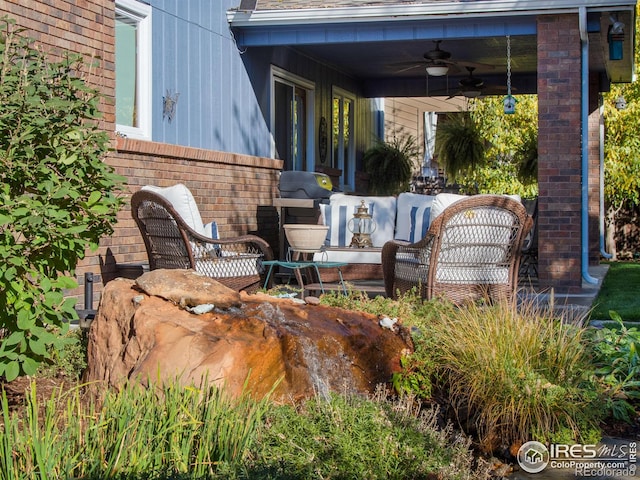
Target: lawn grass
x=620, y=292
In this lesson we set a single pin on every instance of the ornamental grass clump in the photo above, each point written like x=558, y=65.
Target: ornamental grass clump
x=165, y=432
x=512, y=374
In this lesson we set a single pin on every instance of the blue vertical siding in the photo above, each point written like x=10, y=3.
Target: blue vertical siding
x=224, y=93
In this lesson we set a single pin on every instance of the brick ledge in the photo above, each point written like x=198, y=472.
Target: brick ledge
x=129, y=145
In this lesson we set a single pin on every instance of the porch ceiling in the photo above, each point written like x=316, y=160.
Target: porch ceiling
x=376, y=44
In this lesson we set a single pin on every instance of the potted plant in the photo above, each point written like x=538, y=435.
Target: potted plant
x=389, y=165
x=459, y=144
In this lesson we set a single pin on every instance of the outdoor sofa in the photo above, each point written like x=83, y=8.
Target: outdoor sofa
x=405, y=218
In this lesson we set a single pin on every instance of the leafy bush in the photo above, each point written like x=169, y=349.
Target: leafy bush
x=68, y=361
x=511, y=374
x=57, y=196
x=616, y=356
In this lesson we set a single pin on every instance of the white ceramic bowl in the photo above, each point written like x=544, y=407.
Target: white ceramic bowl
x=306, y=238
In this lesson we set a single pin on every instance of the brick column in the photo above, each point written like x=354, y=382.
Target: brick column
x=559, y=152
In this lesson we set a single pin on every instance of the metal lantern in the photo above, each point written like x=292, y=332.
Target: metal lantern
x=362, y=226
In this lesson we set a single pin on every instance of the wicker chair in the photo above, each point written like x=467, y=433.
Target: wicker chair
x=529, y=263
x=172, y=243
x=471, y=251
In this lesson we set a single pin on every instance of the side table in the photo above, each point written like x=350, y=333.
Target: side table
x=299, y=265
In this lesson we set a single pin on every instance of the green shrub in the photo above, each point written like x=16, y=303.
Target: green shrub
x=68, y=361
x=57, y=196
x=512, y=374
x=173, y=432
x=356, y=437
x=409, y=307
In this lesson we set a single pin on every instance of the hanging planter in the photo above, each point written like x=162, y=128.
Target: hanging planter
x=459, y=145
x=390, y=165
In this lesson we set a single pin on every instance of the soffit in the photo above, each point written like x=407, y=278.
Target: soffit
x=374, y=41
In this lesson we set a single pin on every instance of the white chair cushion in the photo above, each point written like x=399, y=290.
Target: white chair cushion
x=182, y=200
x=413, y=216
x=483, y=258
x=442, y=201
x=242, y=264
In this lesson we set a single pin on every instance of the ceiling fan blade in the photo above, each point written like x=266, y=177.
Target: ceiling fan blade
x=406, y=66
x=467, y=64
x=482, y=91
x=410, y=67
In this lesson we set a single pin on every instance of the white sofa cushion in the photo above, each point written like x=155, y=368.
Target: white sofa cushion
x=350, y=255
x=335, y=216
x=341, y=209
x=413, y=216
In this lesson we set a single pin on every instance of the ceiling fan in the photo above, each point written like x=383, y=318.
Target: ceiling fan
x=437, y=62
x=471, y=87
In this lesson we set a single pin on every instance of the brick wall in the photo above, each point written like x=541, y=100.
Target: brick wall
x=559, y=151
x=236, y=191
x=85, y=27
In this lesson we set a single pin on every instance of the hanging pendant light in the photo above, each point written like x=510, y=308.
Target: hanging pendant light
x=437, y=70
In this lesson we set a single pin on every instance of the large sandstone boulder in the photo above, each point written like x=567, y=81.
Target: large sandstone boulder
x=147, y=330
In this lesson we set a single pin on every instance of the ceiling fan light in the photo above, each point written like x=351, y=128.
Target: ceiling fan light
x=437, y=70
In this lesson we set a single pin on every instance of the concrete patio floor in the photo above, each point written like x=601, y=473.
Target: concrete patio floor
x=576, y=305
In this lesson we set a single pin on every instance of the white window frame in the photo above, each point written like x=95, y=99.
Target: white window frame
x=348, y=183
x=282, y=75
x=141, y=13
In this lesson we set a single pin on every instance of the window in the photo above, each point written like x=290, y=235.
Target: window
x=133, y=69
x=343, y=155
x=292, y=120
